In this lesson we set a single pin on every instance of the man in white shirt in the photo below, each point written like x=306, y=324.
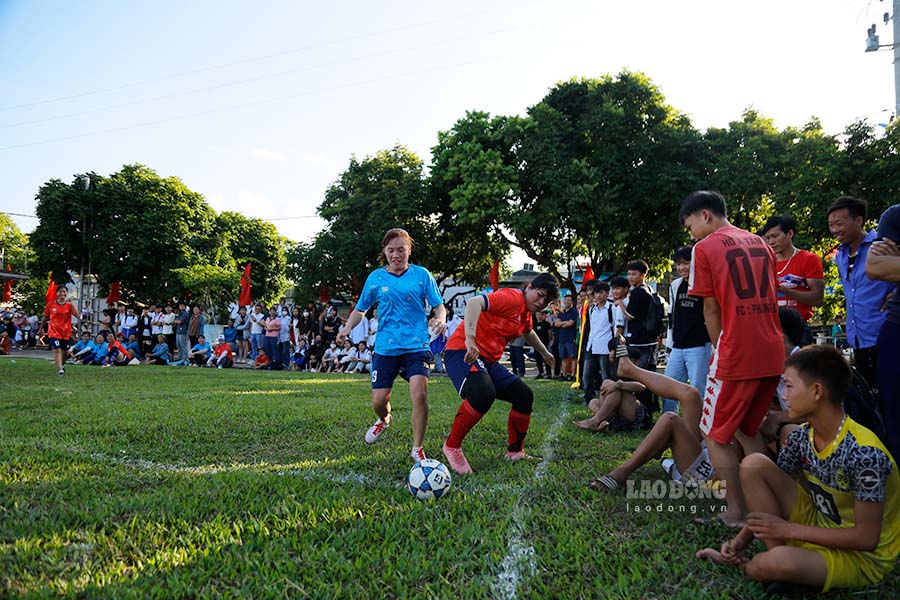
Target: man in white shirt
x=257, y=329
x=605, y=320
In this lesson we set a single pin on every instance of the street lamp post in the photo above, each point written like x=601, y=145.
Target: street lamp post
x=86, y=181
x=872, y=45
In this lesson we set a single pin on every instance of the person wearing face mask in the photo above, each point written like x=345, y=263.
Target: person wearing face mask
x=331, y=358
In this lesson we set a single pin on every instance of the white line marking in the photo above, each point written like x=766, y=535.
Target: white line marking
x=519, y=560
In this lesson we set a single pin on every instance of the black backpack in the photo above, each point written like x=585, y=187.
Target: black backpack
x=653, y=322
x=862, y=406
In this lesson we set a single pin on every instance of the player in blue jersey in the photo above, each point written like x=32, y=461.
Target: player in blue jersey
x=401, y=291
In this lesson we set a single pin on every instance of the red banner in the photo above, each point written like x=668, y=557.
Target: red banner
x=495, y=275
x=588, y=275
x=245, y=298
x=113, y=293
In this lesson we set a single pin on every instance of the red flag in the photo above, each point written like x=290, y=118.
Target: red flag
x=50, y=296
x=7, y=287
x=113, y=293
x=588, y=275
x=323, y=294
x=245, y=299
x=495, y=275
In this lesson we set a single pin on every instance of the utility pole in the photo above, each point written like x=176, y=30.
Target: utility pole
x=87, y=186
x=896, y=44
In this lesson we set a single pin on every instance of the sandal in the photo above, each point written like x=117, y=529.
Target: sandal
x=605, y=484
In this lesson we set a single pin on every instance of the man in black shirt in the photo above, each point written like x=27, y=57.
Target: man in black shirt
x=544, y=332
x=636, y=334
x=691, y=349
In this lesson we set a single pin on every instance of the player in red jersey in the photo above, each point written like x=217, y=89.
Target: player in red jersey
x=733, y=270
x=472, y=360
x=60, y=313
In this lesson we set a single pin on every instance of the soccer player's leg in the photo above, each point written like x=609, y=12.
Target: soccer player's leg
x=513, y=390
x=477, y=391
x=414, y=367
x=384, y=371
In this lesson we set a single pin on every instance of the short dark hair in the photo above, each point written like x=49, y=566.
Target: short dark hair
x=548, y=283
x=638, y=265
x=685, y=253
x=856, y=207
x=619, y=282
x=792, y=325
x=700, y=200
x=826, y=365
x=600, y=286
x=784, y=222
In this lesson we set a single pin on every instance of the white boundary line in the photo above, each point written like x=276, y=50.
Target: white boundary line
x=519, y=560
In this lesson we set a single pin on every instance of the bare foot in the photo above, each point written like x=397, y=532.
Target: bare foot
x=602, y=426
x=588, y=424
x=731, y=520
x=625, y=368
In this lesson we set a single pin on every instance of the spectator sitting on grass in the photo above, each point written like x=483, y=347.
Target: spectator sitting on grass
x=199, y=354
x=347, y=355
x=160, y=353
x=360, y=360
x=116, y=352
x=5, y=343
x=133, y=346
x=331, y=358
x=618, y=406
x=682, y=436
x=102, y=349
x=300, y=358
x=222, y=355
x=86, y=355
x=82, y=346
x=262, y=361
x=829, y=510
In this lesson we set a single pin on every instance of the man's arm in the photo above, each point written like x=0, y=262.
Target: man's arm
x=883, y=261
x=712, y=314
x=815, y=296
x=864, y=535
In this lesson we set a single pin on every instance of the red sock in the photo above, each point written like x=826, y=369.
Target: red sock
x=517, y=425
x=466, y=418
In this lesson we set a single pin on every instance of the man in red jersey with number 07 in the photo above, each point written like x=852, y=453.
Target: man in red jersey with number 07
x=472, y=358
x=733, y=271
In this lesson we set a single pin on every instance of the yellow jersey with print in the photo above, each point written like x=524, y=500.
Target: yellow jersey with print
x=855, y=466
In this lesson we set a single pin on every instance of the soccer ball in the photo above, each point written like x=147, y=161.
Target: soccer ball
x=428, y=480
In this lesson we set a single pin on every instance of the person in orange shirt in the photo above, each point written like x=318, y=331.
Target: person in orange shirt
x=60, y=312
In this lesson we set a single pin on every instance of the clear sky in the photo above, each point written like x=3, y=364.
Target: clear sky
x=260, y=105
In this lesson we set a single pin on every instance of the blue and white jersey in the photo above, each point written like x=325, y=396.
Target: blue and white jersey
x=401, y=299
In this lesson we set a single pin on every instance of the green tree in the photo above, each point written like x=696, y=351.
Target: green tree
x=239, y=240
x=133, y=227
x=209, y=284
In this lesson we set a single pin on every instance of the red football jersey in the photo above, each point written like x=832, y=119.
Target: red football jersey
x=504, y=319
x=794, y=273
x=60, y=319
x=736, y=267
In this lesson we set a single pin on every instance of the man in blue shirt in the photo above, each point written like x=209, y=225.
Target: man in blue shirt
x=865, y=298
x=884, y=265
x=565, y=330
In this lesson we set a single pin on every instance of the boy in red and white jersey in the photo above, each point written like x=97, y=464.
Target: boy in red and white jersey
x=733, y=270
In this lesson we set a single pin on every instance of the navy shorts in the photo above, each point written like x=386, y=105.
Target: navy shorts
x=59, y=344
x=458, y=370
x=567, y=350
x=386, y=368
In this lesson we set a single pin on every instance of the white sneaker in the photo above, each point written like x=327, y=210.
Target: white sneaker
x=374, y=432
x=667, y=464
x=418, y=454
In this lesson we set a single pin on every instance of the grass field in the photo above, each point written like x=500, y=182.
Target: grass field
x=163, y=482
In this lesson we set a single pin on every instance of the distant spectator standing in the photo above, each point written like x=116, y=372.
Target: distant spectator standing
x=129, y=323
x=373, y=327
x=865, y=298
x=168, y=326
x=331, y=323
x=257, y=330
x=639, y=299
x=605, y=323
x=284, y=338
x=196, y=326
x=182, y=323
x=270, y=341
x=145, y=331
x=544, y=332
x=242, y=325
x=565, y=330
